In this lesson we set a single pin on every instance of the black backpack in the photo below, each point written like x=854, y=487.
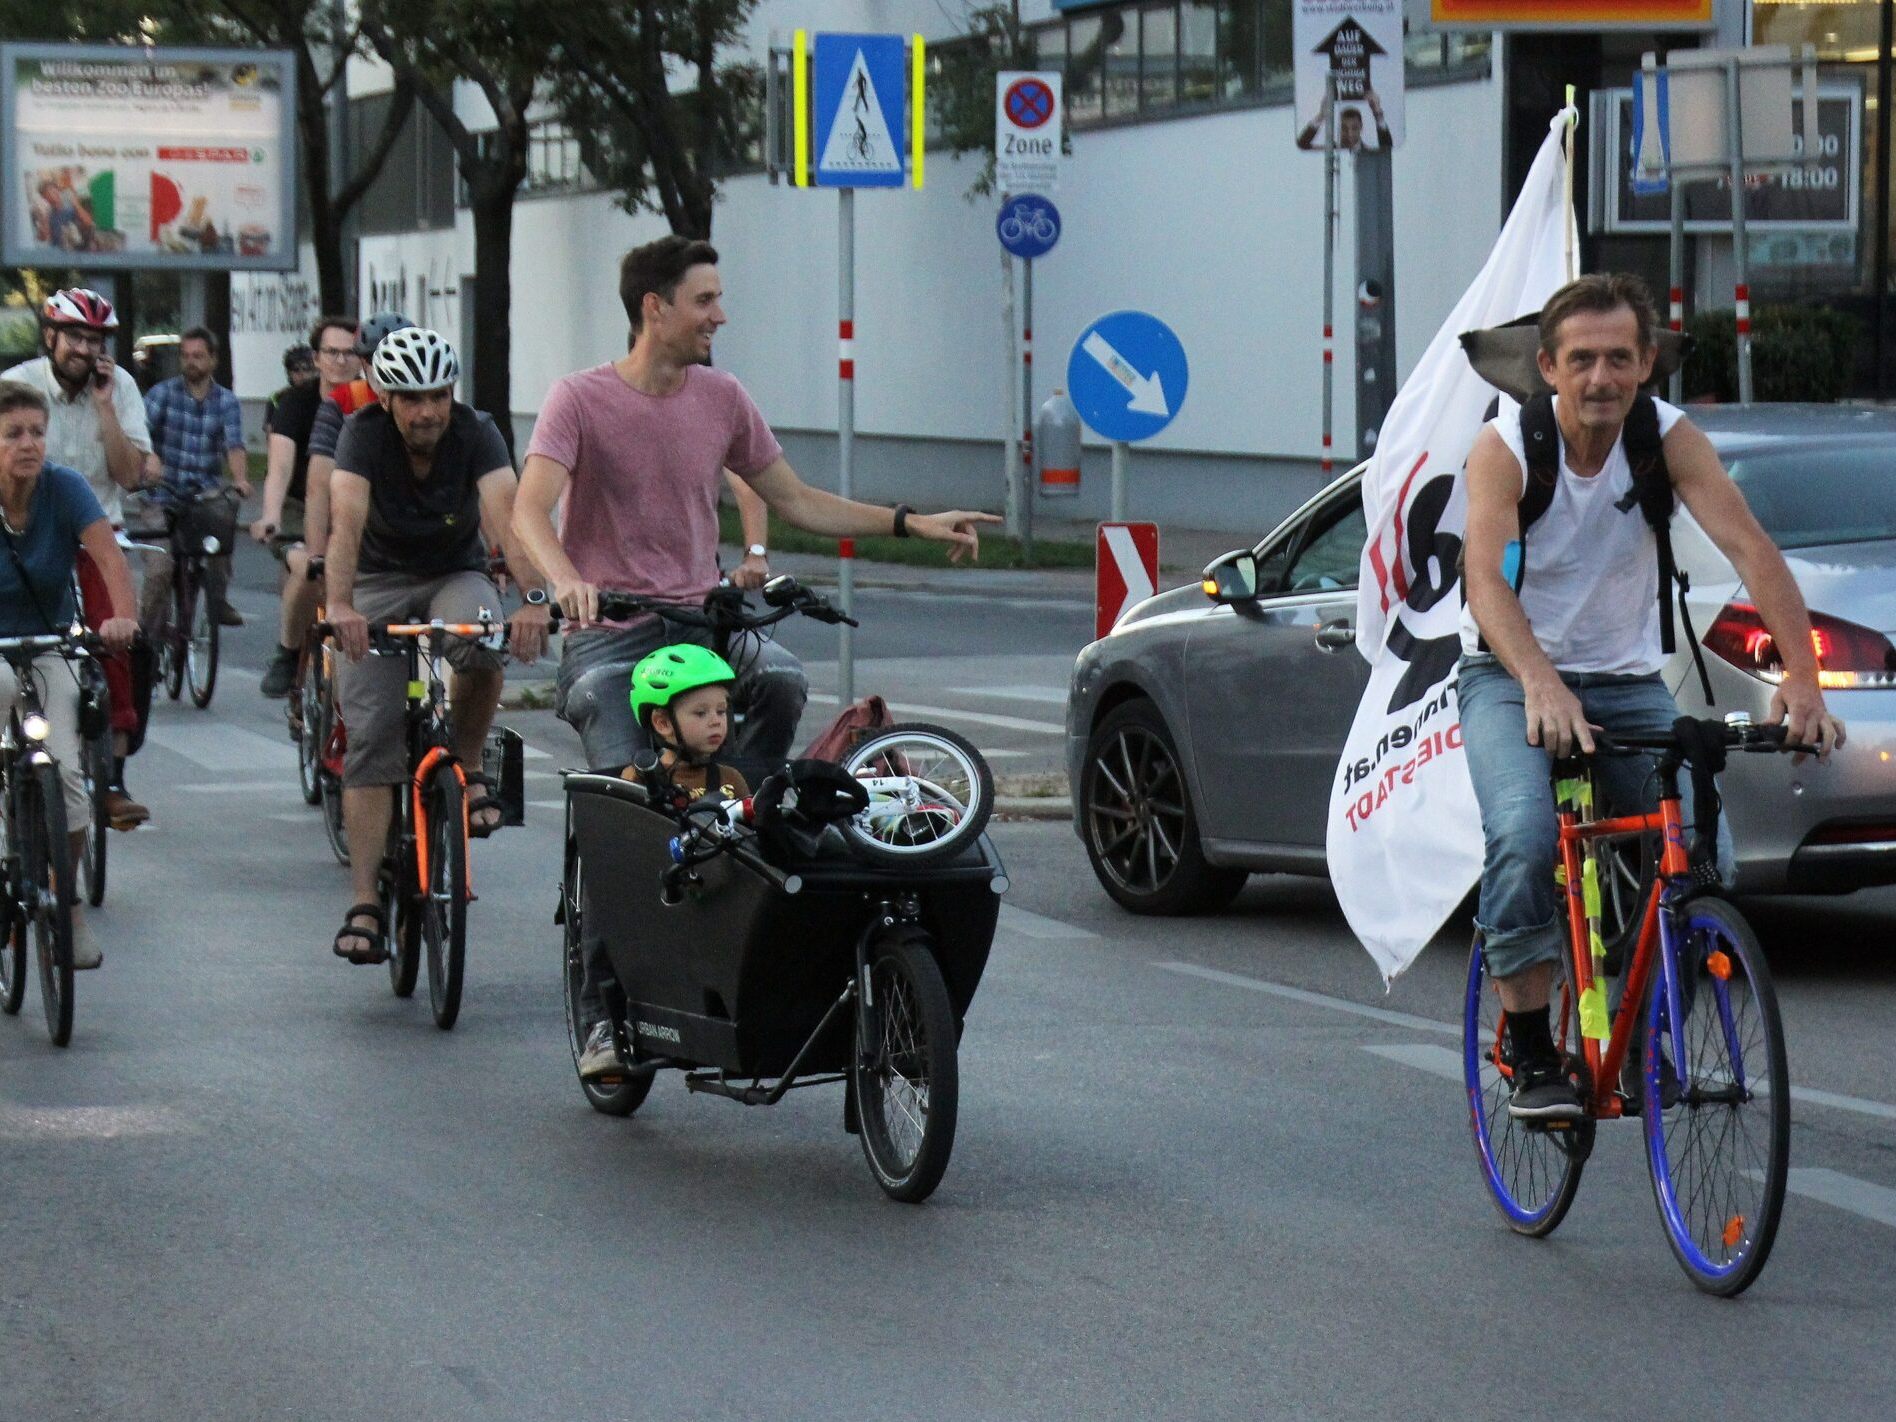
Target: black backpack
x=1651, y=491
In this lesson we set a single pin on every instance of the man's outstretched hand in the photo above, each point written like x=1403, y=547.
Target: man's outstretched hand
x=955, y=528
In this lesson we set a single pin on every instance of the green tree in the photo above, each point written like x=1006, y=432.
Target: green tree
x=663, y=148
x=505, y=48
x=963, y=86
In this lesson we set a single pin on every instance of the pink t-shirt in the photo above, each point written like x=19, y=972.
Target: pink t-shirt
x=645, y=472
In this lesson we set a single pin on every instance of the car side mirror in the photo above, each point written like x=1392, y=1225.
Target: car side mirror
x=1232, y=578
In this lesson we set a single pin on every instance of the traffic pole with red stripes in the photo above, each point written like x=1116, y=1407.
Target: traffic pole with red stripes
x=1741, y=256
x=846, y=436
x=1329, y=278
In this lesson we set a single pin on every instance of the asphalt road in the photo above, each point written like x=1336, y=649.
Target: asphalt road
x=1205, y=1169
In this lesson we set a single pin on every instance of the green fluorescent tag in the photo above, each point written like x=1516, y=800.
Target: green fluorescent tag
x=1593, y=1019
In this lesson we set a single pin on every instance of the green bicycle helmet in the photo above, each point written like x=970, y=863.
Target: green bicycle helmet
x=672, y=671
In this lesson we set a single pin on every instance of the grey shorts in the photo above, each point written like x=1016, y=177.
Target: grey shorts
x=289, y=532
x=374, y=691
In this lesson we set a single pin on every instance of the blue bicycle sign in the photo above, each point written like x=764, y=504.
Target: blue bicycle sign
x=1028, y=226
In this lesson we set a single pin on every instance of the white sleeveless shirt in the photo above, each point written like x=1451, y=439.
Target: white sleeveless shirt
x=1591, y=587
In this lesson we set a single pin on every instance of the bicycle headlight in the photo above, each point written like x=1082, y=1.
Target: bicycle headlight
x=36, y=727
x=212, y=547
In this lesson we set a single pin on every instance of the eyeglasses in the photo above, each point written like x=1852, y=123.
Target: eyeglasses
x=85, y=340
x=336, y=352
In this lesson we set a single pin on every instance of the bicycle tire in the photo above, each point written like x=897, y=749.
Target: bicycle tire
x=333, y=828
x=12, y=921
x=170, y=660
x=49, y=877
x=905, y=1070
x=203, y=636
x=1721, y=1220
x=313, y=732
x=444, y=907
x=97, y=759
x=609, y=1096
x=1532, y=1173
x=945, y=808
x=401, y=911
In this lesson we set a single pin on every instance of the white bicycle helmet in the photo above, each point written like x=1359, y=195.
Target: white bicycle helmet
x=414, y=360
x=76, y=306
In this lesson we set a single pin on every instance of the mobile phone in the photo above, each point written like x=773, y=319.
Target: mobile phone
x=101, y=374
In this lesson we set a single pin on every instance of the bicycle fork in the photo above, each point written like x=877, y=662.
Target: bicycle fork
x=424, y=773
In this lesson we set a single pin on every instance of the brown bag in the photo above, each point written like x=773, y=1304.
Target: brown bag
x=852, y=723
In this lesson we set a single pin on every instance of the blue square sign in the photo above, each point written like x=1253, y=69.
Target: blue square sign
x=861, y=91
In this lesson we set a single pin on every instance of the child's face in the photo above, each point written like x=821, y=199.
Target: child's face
x=699, y=720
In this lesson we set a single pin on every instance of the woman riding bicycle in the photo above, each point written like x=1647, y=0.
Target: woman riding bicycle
x=47, y=514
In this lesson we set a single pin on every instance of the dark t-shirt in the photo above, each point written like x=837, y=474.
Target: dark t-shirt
x=63, y=507
x=427, y=526
x=293, y=415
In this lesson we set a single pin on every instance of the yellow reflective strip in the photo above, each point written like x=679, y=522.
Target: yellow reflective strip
x=1597, y=945
x=1593, y=1019
x=1590, y=886
x=1560, y=875
x=800, y=104
x=417, y=690
x=918, y=111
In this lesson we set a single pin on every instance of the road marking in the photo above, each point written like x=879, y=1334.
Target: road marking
x=1313, y=999
x=1810, y=1096
x=1049, y=695
x=91, y=1123
x=1423, y=1056
x=954, y=713
x=223, y=747
x=547, y=804
x=1034, y=925
x=1844, y=1192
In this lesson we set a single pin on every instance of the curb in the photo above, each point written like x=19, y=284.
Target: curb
x=1033, y=807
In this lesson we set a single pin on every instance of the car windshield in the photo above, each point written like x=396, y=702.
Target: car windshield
x=1829, y=494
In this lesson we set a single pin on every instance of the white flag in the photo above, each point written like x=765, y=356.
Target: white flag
x=1404, y=839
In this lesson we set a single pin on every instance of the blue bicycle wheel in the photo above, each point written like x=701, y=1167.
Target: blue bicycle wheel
x=1532, y=1173
x=1717, y=1102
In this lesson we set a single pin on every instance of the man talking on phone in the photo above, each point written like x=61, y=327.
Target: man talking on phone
x=96, y=424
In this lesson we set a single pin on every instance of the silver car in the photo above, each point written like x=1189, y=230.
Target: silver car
x=1203, y=733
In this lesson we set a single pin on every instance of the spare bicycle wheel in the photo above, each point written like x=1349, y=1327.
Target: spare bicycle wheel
x=930, y=795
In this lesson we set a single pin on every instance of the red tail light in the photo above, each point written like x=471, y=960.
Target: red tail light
x=1849, y=657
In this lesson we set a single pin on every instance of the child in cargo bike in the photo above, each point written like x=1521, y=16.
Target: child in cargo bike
x=681, y=697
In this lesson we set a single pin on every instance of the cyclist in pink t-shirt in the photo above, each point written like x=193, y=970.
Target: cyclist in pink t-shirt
x=638, y=449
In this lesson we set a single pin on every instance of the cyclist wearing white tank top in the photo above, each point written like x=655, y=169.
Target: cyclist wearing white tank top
x=1578, y=649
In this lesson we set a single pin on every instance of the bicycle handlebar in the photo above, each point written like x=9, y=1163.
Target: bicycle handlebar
x=724, y=608
x=1742, y=735
x=80, y=641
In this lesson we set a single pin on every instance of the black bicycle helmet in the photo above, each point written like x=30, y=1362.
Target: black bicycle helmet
x=382, y=323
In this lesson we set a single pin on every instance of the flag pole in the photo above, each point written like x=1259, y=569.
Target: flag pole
x=1566, y=153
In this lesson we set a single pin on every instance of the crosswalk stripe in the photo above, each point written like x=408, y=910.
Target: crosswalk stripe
x=1033, y=925
x=223, y=747
x=1313, y=999
x=1423, y=1056
x=1843, y=1192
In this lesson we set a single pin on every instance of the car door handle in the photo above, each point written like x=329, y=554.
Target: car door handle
x=1334, y=636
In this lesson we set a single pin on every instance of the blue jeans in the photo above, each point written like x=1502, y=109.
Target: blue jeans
x=1520, y=912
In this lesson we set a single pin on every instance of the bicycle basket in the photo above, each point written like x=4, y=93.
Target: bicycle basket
x=214, y=516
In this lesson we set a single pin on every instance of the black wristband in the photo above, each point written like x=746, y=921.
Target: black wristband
x=902, y=511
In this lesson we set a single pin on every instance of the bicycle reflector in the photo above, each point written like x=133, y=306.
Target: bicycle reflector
x=1849, y=656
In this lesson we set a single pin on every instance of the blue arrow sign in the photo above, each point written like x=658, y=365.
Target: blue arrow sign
x=861, y=90
x=1127, y=375
x=1028, y=225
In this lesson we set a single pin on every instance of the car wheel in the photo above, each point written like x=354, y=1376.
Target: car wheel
x=1139, y=824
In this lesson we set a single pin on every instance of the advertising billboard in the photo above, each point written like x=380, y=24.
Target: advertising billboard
x=117, y=157
x=1572, y=14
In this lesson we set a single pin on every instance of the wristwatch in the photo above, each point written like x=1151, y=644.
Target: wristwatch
x=756, y=550
x=536, y=597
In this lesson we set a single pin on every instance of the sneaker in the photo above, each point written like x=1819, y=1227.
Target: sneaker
x=280, y=673
x=85, y=952
x=1633, y=1084
x=228, y=616
x=1543, y=1094
x=600, y=1056
x=123, y=812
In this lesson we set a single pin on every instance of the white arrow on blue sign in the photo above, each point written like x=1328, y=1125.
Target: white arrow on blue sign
x=1127, y=376
x=1028, y=226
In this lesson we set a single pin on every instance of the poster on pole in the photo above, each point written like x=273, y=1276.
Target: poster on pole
x=120, y=157
x=1359, y=44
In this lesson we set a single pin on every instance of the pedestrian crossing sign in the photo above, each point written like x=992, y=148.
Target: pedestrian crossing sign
x=861, y=95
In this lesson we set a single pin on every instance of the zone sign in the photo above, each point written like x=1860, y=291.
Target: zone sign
x=1027, y=131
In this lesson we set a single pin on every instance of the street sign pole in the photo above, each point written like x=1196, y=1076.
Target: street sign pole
x=1735, y=145
x=1675, y=387
x=1329, y=273
x=1122, y=470
x=1027, y=481
x=846, y=436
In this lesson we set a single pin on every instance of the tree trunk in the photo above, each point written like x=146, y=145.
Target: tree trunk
x=492, y=201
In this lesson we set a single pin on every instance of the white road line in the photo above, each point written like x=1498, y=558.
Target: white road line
x=955, y=713
x=87, y=1123
x=1313, y=999
x=547, y=804
x=533, y=753
x=1423, y=1056
x=219, y=746
x=1048, y=695
x=1844, y=1192
x=1051, y=930
x=1808, y=1095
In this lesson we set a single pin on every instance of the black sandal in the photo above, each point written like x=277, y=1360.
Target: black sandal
x=375, y=939
x=481, y=803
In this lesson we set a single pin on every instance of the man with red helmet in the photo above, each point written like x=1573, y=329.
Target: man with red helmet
x=97, y=426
